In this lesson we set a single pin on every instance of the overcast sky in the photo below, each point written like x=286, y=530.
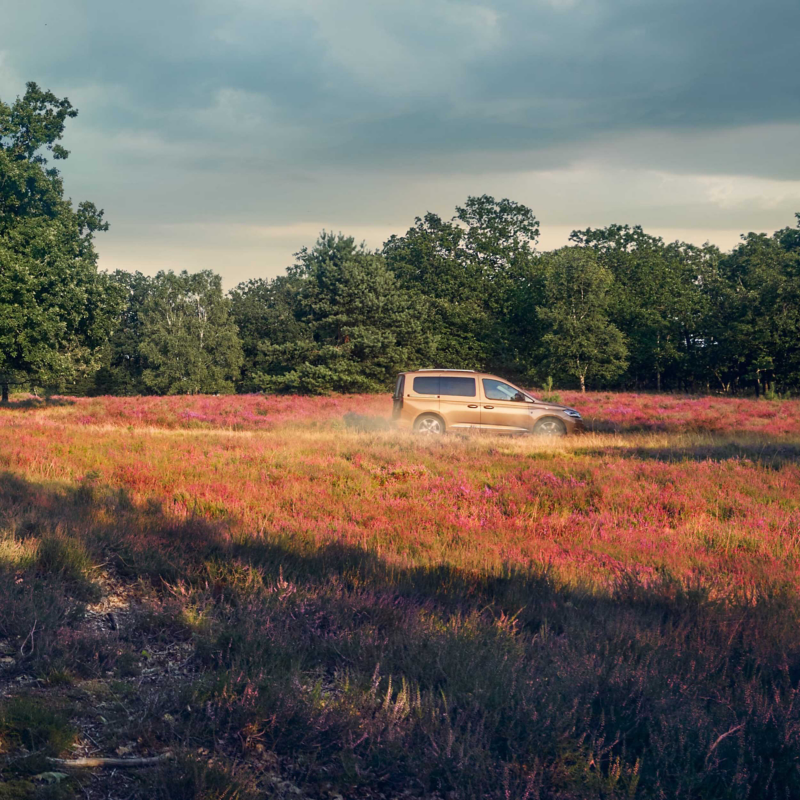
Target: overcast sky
x=225, y=134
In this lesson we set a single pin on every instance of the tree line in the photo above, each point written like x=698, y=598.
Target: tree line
x=616, y=308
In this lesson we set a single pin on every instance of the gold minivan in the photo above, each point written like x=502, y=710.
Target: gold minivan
x=433, y=401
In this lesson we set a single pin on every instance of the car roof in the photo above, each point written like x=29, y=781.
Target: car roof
x=467, y=373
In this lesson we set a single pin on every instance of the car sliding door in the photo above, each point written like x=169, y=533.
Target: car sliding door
x=458, y=402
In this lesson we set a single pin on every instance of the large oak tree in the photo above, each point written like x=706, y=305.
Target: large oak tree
x=56, y=309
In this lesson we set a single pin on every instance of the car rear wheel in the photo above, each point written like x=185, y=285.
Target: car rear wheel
x=550, y=427
x=429, y=425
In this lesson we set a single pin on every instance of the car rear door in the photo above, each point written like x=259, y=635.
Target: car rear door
x=422, y=394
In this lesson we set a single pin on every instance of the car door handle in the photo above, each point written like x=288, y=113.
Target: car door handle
x=488, y=406
x=472, y=405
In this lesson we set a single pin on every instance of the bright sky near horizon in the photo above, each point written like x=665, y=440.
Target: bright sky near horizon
x=225, y=134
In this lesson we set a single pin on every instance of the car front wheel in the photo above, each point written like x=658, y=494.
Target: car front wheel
x=550, y=427
x=429, y=425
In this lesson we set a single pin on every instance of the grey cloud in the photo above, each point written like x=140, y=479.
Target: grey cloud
x=395, y=77
x=357, y=112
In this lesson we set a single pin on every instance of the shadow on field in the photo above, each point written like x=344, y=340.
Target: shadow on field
x=37, y=402
x=600, y=425
x=356, y=676
x=772, y=455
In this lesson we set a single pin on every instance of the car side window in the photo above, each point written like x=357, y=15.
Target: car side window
x=497, y=390
x=426, y=385
x=457, y=387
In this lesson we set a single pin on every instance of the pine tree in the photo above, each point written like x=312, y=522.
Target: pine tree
x=359, y=328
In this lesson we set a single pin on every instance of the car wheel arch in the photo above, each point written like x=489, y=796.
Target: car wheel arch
x=434, y=414
x=541, y=425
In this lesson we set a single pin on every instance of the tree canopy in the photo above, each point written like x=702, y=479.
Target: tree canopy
x=339, y=321
x=56, y=309
x=176, y=335
x=580, y=341
x=470, y=269
x=619, y=307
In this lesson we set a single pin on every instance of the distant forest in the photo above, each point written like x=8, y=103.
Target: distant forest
x=617, y=308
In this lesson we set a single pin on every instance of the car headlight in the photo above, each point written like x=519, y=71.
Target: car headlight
x=571, y=412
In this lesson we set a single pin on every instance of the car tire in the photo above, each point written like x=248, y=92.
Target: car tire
x=429, y=425
x=550, y=427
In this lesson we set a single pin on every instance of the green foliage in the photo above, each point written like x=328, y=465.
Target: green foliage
x=63, y=559
x=339, y=322
x=122, y=365
x=655, y=300
x=753, y=326
x=264, y=312
x=499, y=233
x=30, y=723
x=475, y=273
x=428, y=261
x=31, y=731
x=547, y=394
x=580, y=341
x=175, y=336
x=771, y=394
x=189, y=343
x=790, y=237
x=55, y=308
x=623, y=308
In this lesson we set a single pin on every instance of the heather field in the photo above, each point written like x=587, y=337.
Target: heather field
x=286, y=597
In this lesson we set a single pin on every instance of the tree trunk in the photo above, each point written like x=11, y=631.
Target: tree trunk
x=658, y=381
x=5, y=392
x=583, y=385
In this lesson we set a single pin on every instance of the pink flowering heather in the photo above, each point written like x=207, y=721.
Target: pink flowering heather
x=595, y=505
x=292, y=597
